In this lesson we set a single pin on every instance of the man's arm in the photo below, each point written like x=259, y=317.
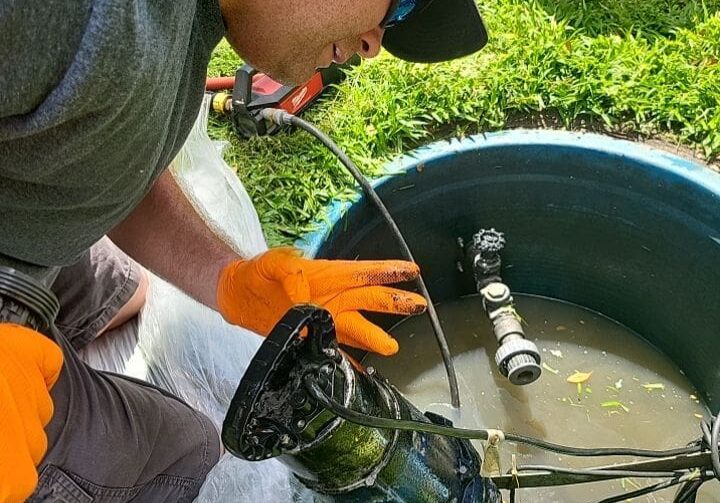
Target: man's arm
x=165, y=234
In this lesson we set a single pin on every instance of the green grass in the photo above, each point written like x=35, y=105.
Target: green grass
x=646, y=67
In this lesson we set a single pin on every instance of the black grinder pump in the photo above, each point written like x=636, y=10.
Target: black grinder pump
x=274, y=414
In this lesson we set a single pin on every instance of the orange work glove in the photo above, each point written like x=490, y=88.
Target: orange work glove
x=30, y=364
x=256, y=293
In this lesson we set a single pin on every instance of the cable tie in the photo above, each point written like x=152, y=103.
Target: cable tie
x=495, y=436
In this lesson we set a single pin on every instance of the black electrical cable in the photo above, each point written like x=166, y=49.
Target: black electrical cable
x=641, y=492
x=711, y=440
x=599, y=472
x=281, y=117
x=408, y=424
x=600, y=451
x=689, y=490
x=385, y=422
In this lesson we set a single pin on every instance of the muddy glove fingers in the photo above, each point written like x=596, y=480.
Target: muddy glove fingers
x=309, y=279
x=354, y=330
x=256, y=293
x=329, y=276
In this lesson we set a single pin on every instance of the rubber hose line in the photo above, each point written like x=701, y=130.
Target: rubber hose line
x=281, y=117
x=689, y=490
x=642, y=492
x=481, y=434
x=601, y=473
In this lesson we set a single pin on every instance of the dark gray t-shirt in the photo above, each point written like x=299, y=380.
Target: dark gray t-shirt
x=96, y=98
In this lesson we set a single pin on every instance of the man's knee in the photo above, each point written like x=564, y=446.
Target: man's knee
x=103, y=290
x=134, y=304
x=117, y=439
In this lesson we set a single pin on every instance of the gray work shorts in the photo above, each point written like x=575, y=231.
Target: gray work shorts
x=113, y=438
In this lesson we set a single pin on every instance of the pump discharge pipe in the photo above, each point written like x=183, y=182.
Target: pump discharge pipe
x=517, y=358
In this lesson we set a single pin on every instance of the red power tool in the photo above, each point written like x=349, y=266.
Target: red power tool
x=252, y=91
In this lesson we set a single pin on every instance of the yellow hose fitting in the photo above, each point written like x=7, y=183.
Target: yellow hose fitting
x=219, y=102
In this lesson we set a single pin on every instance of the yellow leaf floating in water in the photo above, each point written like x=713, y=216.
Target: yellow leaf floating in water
x=579, y=377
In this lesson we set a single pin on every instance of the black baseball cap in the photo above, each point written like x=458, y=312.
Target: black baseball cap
x=429, y=31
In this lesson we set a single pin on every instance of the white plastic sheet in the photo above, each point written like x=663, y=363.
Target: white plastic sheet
x=189, y=349
x=216, y=192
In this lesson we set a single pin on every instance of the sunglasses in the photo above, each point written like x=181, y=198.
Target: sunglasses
x=399, y=11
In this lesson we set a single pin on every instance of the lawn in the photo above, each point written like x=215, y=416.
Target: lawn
x=646, y=68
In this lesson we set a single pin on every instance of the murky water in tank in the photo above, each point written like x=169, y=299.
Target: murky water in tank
x=635, y=396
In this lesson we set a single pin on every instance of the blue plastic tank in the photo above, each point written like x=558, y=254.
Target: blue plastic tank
x=623, y=229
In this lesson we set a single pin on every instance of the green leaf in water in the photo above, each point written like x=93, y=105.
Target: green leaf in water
x=614, y=404
x=692, y=475
x=654, y=386
x=550, y=369
x=571, y=403
x=631, y=483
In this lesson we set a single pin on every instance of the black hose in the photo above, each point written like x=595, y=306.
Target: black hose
x=481, y=434
x=600, y=451
x=387, y=423
x=600, y=473
x=641, y=492
x=711, y=440
x=688, y=491
x=281, y=117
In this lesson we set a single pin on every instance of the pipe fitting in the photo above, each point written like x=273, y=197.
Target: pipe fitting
x=26, y=301
x=517, y=358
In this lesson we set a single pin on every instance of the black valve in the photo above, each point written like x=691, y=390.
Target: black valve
x=484, y=252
